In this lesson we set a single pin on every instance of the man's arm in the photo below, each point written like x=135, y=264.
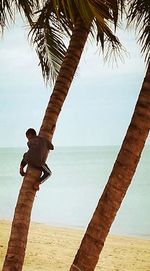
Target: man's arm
x=23, y=164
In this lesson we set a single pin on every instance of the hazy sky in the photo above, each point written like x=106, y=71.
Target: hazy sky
x=98, y=108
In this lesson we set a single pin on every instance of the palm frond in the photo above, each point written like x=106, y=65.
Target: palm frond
x=106, y=14
x=6, y=13
x=113, y=50
x=111, y=47
x=51, y=52
x=9, y=8
x=139, y=16
x=28, y=7
x=68, y=8
x=46, y=36
x=109, y=10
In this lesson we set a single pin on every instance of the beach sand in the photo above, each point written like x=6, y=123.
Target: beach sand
x=53, y=249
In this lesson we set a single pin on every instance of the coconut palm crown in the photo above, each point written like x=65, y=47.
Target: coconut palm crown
x=48, y=36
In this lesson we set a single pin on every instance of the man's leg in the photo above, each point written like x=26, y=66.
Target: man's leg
x=46, y=173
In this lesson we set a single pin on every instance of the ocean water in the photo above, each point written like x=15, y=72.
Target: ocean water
x=70, y=196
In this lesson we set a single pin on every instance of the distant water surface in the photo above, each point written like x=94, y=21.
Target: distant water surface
x=70, y=196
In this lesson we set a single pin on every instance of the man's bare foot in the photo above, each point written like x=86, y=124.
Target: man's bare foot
x=36, y=186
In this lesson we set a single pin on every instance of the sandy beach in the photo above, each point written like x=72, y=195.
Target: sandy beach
x=52, y=248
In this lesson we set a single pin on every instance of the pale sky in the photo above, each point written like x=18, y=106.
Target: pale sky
x=98, y=108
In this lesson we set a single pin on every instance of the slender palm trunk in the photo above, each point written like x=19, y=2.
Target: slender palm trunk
x=118, y=183
x=18, y=238
x=64, y=79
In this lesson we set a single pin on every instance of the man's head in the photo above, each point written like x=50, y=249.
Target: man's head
x=30, y=133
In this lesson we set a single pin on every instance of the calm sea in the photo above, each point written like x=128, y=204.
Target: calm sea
x=70, y=196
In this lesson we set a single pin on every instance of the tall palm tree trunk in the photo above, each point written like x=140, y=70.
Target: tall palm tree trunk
x=18, y=238
x=118, y=183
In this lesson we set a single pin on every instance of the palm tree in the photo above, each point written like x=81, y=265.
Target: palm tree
x=77, y=18
x=128, y=157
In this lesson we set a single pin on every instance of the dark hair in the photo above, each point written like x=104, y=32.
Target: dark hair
x=31, y=131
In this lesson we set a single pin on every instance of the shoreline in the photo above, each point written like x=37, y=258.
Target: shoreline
x=78, y=228
x=83, y=229
x=52, y=248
